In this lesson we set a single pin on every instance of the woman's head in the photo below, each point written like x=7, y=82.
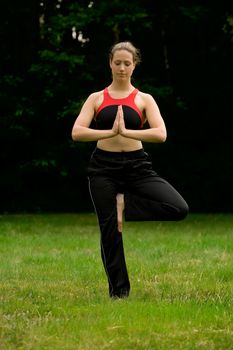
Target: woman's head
x=128, y=46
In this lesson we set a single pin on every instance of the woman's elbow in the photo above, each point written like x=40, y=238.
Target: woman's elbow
x=162, y=136
x=75, y=134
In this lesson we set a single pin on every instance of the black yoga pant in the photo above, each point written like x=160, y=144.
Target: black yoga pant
x=147, y=197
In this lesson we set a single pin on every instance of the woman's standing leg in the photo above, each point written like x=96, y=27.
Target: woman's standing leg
x=103, y=193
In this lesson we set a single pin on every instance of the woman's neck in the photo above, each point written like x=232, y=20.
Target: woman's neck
x=124, y=86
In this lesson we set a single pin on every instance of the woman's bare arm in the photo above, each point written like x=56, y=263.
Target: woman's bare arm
x=157, y=131
x=81, y=130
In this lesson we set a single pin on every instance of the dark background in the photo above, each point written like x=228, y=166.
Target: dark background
x=55, y=53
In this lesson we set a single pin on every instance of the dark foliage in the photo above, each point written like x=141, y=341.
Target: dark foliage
x=55, y=53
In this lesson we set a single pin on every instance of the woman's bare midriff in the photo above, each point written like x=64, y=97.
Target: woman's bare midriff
x=119, y=144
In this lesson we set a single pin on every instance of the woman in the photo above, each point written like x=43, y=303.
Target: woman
x=120, y=173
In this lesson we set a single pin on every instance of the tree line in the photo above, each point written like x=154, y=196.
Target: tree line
x=54, y=53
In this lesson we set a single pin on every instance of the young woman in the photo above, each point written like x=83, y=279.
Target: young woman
x=121, y=177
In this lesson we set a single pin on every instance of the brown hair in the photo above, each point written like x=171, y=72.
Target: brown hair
x=126, y=45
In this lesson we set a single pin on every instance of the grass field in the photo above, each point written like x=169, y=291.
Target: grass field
x=54, y=293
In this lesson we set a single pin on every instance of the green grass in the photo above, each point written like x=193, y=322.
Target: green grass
x=54, y=293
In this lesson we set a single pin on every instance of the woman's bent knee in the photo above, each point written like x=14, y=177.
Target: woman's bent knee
x=182, y=212
x=175, y=212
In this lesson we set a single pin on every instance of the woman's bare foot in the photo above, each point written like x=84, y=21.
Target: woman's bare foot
x=120, y=208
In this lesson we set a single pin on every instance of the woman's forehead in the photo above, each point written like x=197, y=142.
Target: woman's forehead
x=123, y=55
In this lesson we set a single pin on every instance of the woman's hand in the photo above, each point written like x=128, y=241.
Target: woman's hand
x=121, y=121
x=115, y=127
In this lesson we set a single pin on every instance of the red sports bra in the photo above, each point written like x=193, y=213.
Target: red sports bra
x=106, y=112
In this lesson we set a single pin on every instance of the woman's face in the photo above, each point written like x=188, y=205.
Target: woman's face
x=122, y=65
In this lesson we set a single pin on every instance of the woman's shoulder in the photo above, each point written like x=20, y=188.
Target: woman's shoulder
x=96, y=94
x=143, y=99
x=95, y=97
x=144, y=95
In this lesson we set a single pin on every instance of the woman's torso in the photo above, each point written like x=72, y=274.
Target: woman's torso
x=105, y=112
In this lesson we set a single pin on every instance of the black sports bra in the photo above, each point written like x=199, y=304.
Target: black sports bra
x=106, y=112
